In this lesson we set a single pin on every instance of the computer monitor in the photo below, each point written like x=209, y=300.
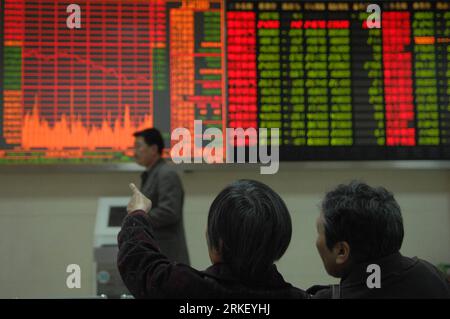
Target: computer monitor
x=110, y=213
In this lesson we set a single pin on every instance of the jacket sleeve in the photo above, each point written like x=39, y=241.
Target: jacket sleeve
x=320, y=292
x=170, y=200
x=145, y=271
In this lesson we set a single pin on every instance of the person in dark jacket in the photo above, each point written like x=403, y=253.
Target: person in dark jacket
x=248, y=229
x=162, y=185
x=360, y=233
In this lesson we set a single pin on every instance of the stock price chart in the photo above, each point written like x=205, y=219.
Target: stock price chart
x=77, y=95
x=335, y=86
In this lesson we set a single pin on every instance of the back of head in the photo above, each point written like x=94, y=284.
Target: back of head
x=367, y=218
x=251, y=227
x=152, y=136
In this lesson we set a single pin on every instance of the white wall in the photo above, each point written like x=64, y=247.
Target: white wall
x=47, y=220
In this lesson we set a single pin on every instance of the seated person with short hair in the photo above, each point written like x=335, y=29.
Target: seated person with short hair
x=358, y=226
x=249, y=228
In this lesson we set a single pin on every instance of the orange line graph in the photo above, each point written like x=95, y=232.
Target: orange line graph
x=70, y=132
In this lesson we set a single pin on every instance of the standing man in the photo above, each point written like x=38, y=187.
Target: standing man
x=163, y=186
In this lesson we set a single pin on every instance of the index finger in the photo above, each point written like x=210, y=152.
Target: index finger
x=133, y=188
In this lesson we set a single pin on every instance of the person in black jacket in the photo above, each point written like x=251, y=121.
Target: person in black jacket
x=248, y=229
x=360, y=233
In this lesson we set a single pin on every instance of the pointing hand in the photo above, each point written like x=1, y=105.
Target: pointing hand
x=138, y=201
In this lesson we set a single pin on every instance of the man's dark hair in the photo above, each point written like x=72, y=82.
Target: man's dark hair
x=152, y=137
x=251, y=226
x=367, y=218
